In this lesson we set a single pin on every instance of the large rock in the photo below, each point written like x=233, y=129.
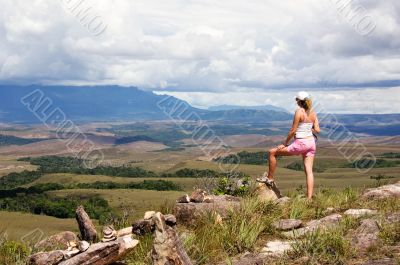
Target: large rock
x=167, y=246
x=276, y=248
x=313, y=225
x=46, y=258
x=391, y=218
x=385, y=191
x=86, y=226
x=265, y=193
x=187, y=213
x=58, y=241
x=287, y=224
x=365, y=236
x=198, y=196
x=357, y=213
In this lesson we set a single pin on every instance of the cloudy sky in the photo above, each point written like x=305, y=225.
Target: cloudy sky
x=346, y=53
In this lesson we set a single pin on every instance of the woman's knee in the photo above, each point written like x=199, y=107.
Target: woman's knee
x=272, y=151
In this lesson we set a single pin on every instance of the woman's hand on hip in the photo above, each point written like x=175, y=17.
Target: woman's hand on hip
x=281, y=146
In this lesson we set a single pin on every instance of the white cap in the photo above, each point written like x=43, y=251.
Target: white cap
x=302, y=95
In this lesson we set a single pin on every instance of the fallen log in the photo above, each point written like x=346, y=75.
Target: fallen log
x=46, y=258
x=86, y=226
x=104, y=253
x=96, y=254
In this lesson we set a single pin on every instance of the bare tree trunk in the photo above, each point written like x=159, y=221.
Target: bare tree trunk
x=86, y=226
x=103, y=253
x=96, y=254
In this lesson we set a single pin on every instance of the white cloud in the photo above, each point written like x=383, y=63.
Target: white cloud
x=369, y=100
x=264, y=46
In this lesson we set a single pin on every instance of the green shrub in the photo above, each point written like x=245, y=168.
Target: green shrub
x=210, y=240
x=390, y=233
x=13, y=252
x=326, y=247
x=65, y=207
x=234, y=187
x=16, y=179
x=244, y=157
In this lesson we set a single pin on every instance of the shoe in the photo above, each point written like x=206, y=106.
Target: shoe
x=267, y=181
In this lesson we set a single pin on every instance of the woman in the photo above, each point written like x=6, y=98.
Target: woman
x=305, y=125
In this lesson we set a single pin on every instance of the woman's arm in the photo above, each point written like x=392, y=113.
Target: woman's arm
x=316, y=128
x=295, y=124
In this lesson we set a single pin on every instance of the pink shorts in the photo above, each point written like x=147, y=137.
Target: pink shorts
x=305, y=147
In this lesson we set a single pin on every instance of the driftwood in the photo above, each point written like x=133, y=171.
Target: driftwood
x=103, y=253
x=86, y=226
x=46, y=258
x=96, y=254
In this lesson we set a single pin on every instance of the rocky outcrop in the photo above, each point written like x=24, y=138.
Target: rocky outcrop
x=287, y=224
x=46, y=258
x=61, y=240
x=313, y=225
x=86, y=226
x=266, y=193
x=276, y=248
x=381, y=192
x=201, y=203
x=365, y=236
x=357, y=213
x=167, y=246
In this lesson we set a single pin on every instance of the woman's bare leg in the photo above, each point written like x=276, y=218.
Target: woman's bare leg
x=273, y=153
x=308, y=169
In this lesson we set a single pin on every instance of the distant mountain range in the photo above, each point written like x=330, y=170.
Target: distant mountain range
x=234, y=107
x=116, y=103
x=110, y=103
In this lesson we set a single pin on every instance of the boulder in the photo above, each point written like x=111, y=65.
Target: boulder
x=357, y=213
x=283, y=200
x=330, y=210
x=86, y=226
x=183, y=199
x=365, y=236
x=46, y=258
x=58, y=241
x=198, y=196
x=287, y=224
x=265, y=193
x=187, y=213
x=276, y=248
x=385, y=191
x=313, y=225
x=391, y=218
x=167, y=246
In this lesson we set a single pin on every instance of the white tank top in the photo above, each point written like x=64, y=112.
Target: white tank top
x=304, y=130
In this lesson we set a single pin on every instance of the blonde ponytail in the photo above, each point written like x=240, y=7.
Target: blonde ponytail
x=306, y=104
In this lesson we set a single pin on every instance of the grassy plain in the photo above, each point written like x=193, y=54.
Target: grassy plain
x=150, y=156
x=19, y=225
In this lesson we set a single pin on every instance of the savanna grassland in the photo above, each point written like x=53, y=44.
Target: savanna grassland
x=139, y=155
